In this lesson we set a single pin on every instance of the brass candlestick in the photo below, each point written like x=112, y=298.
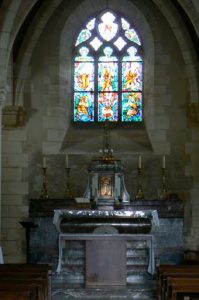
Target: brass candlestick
x=68, y=192
x=44, y=192
x=140, y=193
x=164, y=190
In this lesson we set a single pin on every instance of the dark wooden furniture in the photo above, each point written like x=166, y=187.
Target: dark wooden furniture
x=25, y=281
x=173, y=280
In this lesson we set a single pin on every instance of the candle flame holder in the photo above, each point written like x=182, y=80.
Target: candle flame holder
x=140, y=193
x=68, y=192
x=164, y=190
x=44, y=192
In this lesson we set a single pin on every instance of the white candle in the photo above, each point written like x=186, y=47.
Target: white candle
x=44, y=162
x=163, y=162
x=140, y=162
x=66, y=160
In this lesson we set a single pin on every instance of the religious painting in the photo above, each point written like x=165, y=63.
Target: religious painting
x=106, y=186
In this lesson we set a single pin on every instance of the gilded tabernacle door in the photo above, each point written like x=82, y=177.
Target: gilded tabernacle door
x=106, y=184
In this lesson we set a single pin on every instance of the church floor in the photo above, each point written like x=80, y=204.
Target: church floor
x=139, y=291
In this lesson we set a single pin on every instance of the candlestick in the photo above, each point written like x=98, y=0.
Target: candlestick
x=44, y=192
x=68, y=192
x=44, y=162
x=140, y=193
x=67, y=161
x=164, y=191
x=140, y=162
x=163, y=162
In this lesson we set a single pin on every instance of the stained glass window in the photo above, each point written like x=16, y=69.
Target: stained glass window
x=108, y=71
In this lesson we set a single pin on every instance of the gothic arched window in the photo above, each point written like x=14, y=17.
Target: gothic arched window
x=108, y=71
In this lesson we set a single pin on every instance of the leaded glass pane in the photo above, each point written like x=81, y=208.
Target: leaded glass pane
x=132, y=36
x=131, y=107
x=84, y=76
x=90, y=25
x=84, y=35
x=120, y=43
x=131, y=76
x=108, y=76
x=108, y=55
x=96, y=43
x=84, y=107
x=108, y=28
x=132, y=55
x=125, y=24
x=84, y=55
x=107, y=107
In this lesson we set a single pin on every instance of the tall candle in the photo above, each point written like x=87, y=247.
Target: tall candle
x=163, y=162
x=140, y=162
x=44, y=162
x=66, y=160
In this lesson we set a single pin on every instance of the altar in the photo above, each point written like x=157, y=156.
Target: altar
x=105, y=234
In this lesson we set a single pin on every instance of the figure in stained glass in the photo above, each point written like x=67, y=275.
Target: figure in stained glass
x=131, y=107
x=84, y=76
x=108, y=76
x=131, y=76
x=107, y=107
x=84, y=107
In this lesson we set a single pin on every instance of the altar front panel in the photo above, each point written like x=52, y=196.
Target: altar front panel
x=102, y=264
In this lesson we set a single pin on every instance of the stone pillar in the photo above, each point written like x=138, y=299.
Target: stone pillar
x=3, y=93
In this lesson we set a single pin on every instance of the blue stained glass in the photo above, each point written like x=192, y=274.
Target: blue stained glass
x=132, y=107
x=132, y=36
x=84, y=107
x=84, y=35
x=108, y=76
x=131, y=76
x=84, y=76
x=107, y=107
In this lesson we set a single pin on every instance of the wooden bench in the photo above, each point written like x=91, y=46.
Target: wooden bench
x=185, y=290
x=173, y=271
x=33, y=277
x=173, y=282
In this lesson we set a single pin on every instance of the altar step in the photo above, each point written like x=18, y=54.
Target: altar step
x=142, y=291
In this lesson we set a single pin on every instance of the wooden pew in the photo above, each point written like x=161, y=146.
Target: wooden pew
x=32, y=275
x=9, y=292
x=185, y=290
x=173, y=282
x=167, y=271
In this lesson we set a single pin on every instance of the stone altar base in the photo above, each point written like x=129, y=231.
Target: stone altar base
x=139, y=291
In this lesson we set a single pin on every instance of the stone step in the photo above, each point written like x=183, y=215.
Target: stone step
x=136, y=291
